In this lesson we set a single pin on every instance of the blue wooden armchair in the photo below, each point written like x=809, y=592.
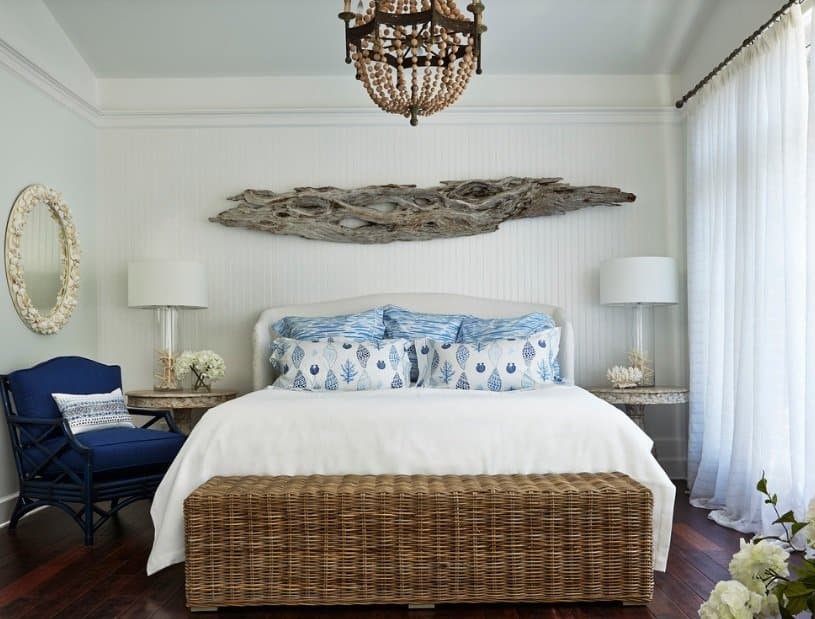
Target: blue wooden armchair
x=115, y=465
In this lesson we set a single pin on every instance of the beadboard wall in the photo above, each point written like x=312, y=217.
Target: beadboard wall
x=158, y=186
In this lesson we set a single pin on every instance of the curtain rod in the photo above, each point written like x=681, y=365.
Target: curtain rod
x=745, y=44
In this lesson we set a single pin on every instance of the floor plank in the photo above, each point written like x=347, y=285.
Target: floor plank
x=45, y=571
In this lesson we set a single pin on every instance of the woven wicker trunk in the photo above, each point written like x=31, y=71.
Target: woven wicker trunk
x=418, y=540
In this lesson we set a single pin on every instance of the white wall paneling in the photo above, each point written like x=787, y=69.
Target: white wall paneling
x=44, y=142
x=158, y=186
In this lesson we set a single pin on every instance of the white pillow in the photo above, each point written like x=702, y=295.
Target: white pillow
x=96, y=411
x=498, y=365
x=341, y=364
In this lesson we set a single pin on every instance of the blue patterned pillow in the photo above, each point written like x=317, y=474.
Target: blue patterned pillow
x=341, y=364
x=403, y=323
x=96, y=411
x=360, y=327
x=474, y=329
x=496, y=365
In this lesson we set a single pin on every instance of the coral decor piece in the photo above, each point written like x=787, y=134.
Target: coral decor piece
x=641, y=361
x=624, y=378
x=386, y=213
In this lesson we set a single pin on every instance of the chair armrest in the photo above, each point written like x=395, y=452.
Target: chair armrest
x=72, y=440
x=156, y=413
x=18, y=420
x=33, y=421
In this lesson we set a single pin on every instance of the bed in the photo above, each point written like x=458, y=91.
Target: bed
x=556, y=429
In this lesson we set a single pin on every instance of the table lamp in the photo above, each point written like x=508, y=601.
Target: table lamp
x=166, y=286
x=640, y=283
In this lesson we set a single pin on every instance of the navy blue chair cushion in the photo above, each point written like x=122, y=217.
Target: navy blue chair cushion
x=118, y=451
x=32, y=388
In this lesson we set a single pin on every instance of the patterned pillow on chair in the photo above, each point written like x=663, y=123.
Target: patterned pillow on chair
x=96, y=411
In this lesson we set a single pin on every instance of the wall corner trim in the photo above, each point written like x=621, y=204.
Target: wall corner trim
x=42, y=79
x=371, y=117
x=321, y=116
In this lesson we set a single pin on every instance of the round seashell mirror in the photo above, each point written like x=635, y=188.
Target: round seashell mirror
x=42, y=259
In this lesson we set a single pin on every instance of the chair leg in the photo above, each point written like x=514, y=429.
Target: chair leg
x=88, y=521
x=16, y=513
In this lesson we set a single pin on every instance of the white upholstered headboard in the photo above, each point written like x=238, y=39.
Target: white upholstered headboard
x=418, y=302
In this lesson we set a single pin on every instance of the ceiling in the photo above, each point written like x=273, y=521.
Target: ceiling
x=221, y=38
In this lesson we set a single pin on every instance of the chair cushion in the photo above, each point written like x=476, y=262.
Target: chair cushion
x=119, y=450
x=32, y=388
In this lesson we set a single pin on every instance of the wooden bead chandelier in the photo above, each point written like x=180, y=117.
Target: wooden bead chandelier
x=414, y=57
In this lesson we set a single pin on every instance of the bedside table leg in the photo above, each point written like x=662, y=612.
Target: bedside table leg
x=637, y=414
x=183, y=419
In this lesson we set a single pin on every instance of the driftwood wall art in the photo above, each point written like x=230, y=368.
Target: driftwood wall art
x=385, y=213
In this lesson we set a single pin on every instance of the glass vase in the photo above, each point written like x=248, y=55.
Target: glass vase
x=640, y=342
x=165, y=349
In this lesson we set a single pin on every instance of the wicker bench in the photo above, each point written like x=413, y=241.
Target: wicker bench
x=418, y=540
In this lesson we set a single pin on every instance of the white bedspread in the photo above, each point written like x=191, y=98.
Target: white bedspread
x=555, y=429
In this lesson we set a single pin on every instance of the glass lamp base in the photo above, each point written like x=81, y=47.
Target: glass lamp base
x=165, y=350
x=640, y=346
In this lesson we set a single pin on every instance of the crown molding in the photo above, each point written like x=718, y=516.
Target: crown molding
x=372, y=117
x=50, y=85
x=324, y=116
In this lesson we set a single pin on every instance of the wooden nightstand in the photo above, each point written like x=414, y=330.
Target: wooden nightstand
x=635, y=400
x=187, y=406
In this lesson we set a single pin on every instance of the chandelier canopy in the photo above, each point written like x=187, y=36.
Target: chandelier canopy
x=414, y=57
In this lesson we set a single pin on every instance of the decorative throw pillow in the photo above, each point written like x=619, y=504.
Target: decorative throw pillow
x=341, y=364
x=498, y=365
x=403, y=323
x=361, y=327
x=96, y=411
x=474, y=329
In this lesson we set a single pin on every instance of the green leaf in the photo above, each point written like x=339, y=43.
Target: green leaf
x=785, y=614
x=797, y=526
x=796, y=605
x=761, y=486
x=787, y=518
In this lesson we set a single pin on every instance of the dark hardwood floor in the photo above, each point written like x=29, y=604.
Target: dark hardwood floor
x=45, y=571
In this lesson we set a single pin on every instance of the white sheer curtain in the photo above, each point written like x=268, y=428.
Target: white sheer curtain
x=751, y=283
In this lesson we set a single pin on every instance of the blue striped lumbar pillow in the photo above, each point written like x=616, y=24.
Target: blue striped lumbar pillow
x=361, y=327
x=403, y=323
x=96, y=411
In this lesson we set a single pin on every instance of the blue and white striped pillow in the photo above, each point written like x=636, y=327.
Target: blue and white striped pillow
x=474, y=329
x=361, y=327
x=96, y=411
x=406, y=324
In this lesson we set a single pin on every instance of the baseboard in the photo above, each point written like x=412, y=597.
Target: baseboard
x=6, y=506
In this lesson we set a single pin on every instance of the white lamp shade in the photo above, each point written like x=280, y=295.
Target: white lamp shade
x=166, y=283
x=648, y=280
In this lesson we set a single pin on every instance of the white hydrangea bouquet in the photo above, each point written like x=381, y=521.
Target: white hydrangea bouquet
x=761, y=584
x=206, y=366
